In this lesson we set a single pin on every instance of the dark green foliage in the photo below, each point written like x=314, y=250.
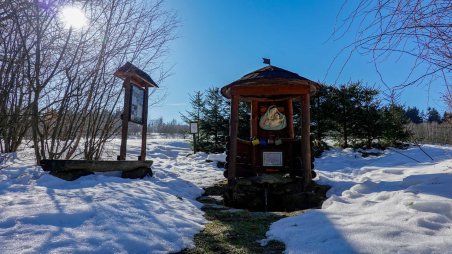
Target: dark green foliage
x=414, y=115
x=244, y=120
x=447, y=118
x=394, y=125
x=433, y=115
x=322, y=110
x=370, y=124
x=197, y=105
x=353, y=115
x=215, y=121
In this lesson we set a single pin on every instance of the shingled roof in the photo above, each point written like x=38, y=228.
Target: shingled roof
x=270, y=75
x=137, y=75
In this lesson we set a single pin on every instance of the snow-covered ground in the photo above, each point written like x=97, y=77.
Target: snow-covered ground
x=104, y=213
x=386, y=204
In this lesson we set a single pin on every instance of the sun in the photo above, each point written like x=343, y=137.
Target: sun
x=73, y=17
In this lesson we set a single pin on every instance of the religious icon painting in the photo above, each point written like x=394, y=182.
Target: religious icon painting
x=273, y=120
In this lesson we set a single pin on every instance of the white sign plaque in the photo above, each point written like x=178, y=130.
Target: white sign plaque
x=193, y=127
x=272, y=159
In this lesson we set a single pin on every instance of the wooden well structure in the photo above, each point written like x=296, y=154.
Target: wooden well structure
x=270, y=150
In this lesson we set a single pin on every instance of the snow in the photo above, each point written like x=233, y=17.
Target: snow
x=103, y=213
x=385, y=204
x=217, y=157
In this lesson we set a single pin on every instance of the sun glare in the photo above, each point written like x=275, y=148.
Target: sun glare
x=73, y=17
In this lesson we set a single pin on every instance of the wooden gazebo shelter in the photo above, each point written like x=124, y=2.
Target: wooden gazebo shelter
x=264, y=88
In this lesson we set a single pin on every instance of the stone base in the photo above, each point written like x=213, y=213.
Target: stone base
x=274, y=193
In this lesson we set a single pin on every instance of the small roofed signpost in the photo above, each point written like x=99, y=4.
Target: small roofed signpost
x=136, y=86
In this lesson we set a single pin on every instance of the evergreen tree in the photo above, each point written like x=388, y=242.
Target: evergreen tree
x=215, y=121
x=447, y=118
x=195, y=114
x=414, y=115
x=197, y=106
x=244, y=120
x=347, y=99
x=433, y=115
x=394, y=131
x=322, y=110
x=369, y=124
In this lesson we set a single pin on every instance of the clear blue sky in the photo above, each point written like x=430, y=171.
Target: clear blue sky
x=220, y=41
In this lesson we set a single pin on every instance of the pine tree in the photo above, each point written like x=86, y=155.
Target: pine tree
x=394, y=131
x=347, y=99
x=322, y=109
x=195, y=114
x=414, y=115
x=244, y=120
x=447, y=118
x=197, y=105
x=215, y=122
x=433, y=115
x=369, y=122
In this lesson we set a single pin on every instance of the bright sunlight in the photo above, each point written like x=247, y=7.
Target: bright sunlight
x=73, y=17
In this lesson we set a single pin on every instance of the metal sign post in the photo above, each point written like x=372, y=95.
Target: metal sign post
x=194, y=131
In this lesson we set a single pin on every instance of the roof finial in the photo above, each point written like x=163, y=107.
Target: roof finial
x=266, y=61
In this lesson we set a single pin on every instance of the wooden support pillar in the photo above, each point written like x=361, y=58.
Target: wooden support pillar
x=125, y=119
x=254, y=122
x=254, y=119
x=233, y=129
x=290, y=118
x=305, y=139
x=144, y=127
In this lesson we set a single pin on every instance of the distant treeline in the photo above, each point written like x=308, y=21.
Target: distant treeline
x=351, y=114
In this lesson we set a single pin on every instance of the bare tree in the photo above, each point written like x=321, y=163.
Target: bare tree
x=74, y=97
x=392, y=29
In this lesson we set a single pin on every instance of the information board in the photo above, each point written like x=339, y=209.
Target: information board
x=136, y=104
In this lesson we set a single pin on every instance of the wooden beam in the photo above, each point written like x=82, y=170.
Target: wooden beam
x=254, y=123
x=96, y=166
x=233, y=129
x=254, y=119
x=125, y=119
x=305, y=139
x=289, y=117
x=269, y=90
x=144, y=127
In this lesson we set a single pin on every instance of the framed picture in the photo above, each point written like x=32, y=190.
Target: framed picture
x=272, y=159
x=193, y=127
x=136, y=104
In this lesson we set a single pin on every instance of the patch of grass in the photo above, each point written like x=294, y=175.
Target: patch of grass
x=235, y=232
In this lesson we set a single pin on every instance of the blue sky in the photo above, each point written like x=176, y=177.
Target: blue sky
x=220, y=41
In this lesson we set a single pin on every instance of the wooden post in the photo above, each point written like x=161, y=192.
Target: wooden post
x=194, y=143
x=289, y=116
x=144, y=127
x=233, y=129
x=305, y=139
x=125, y=119
x=254, y=123
x=254, y=118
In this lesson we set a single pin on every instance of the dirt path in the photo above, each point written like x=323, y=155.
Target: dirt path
x=233, y=230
